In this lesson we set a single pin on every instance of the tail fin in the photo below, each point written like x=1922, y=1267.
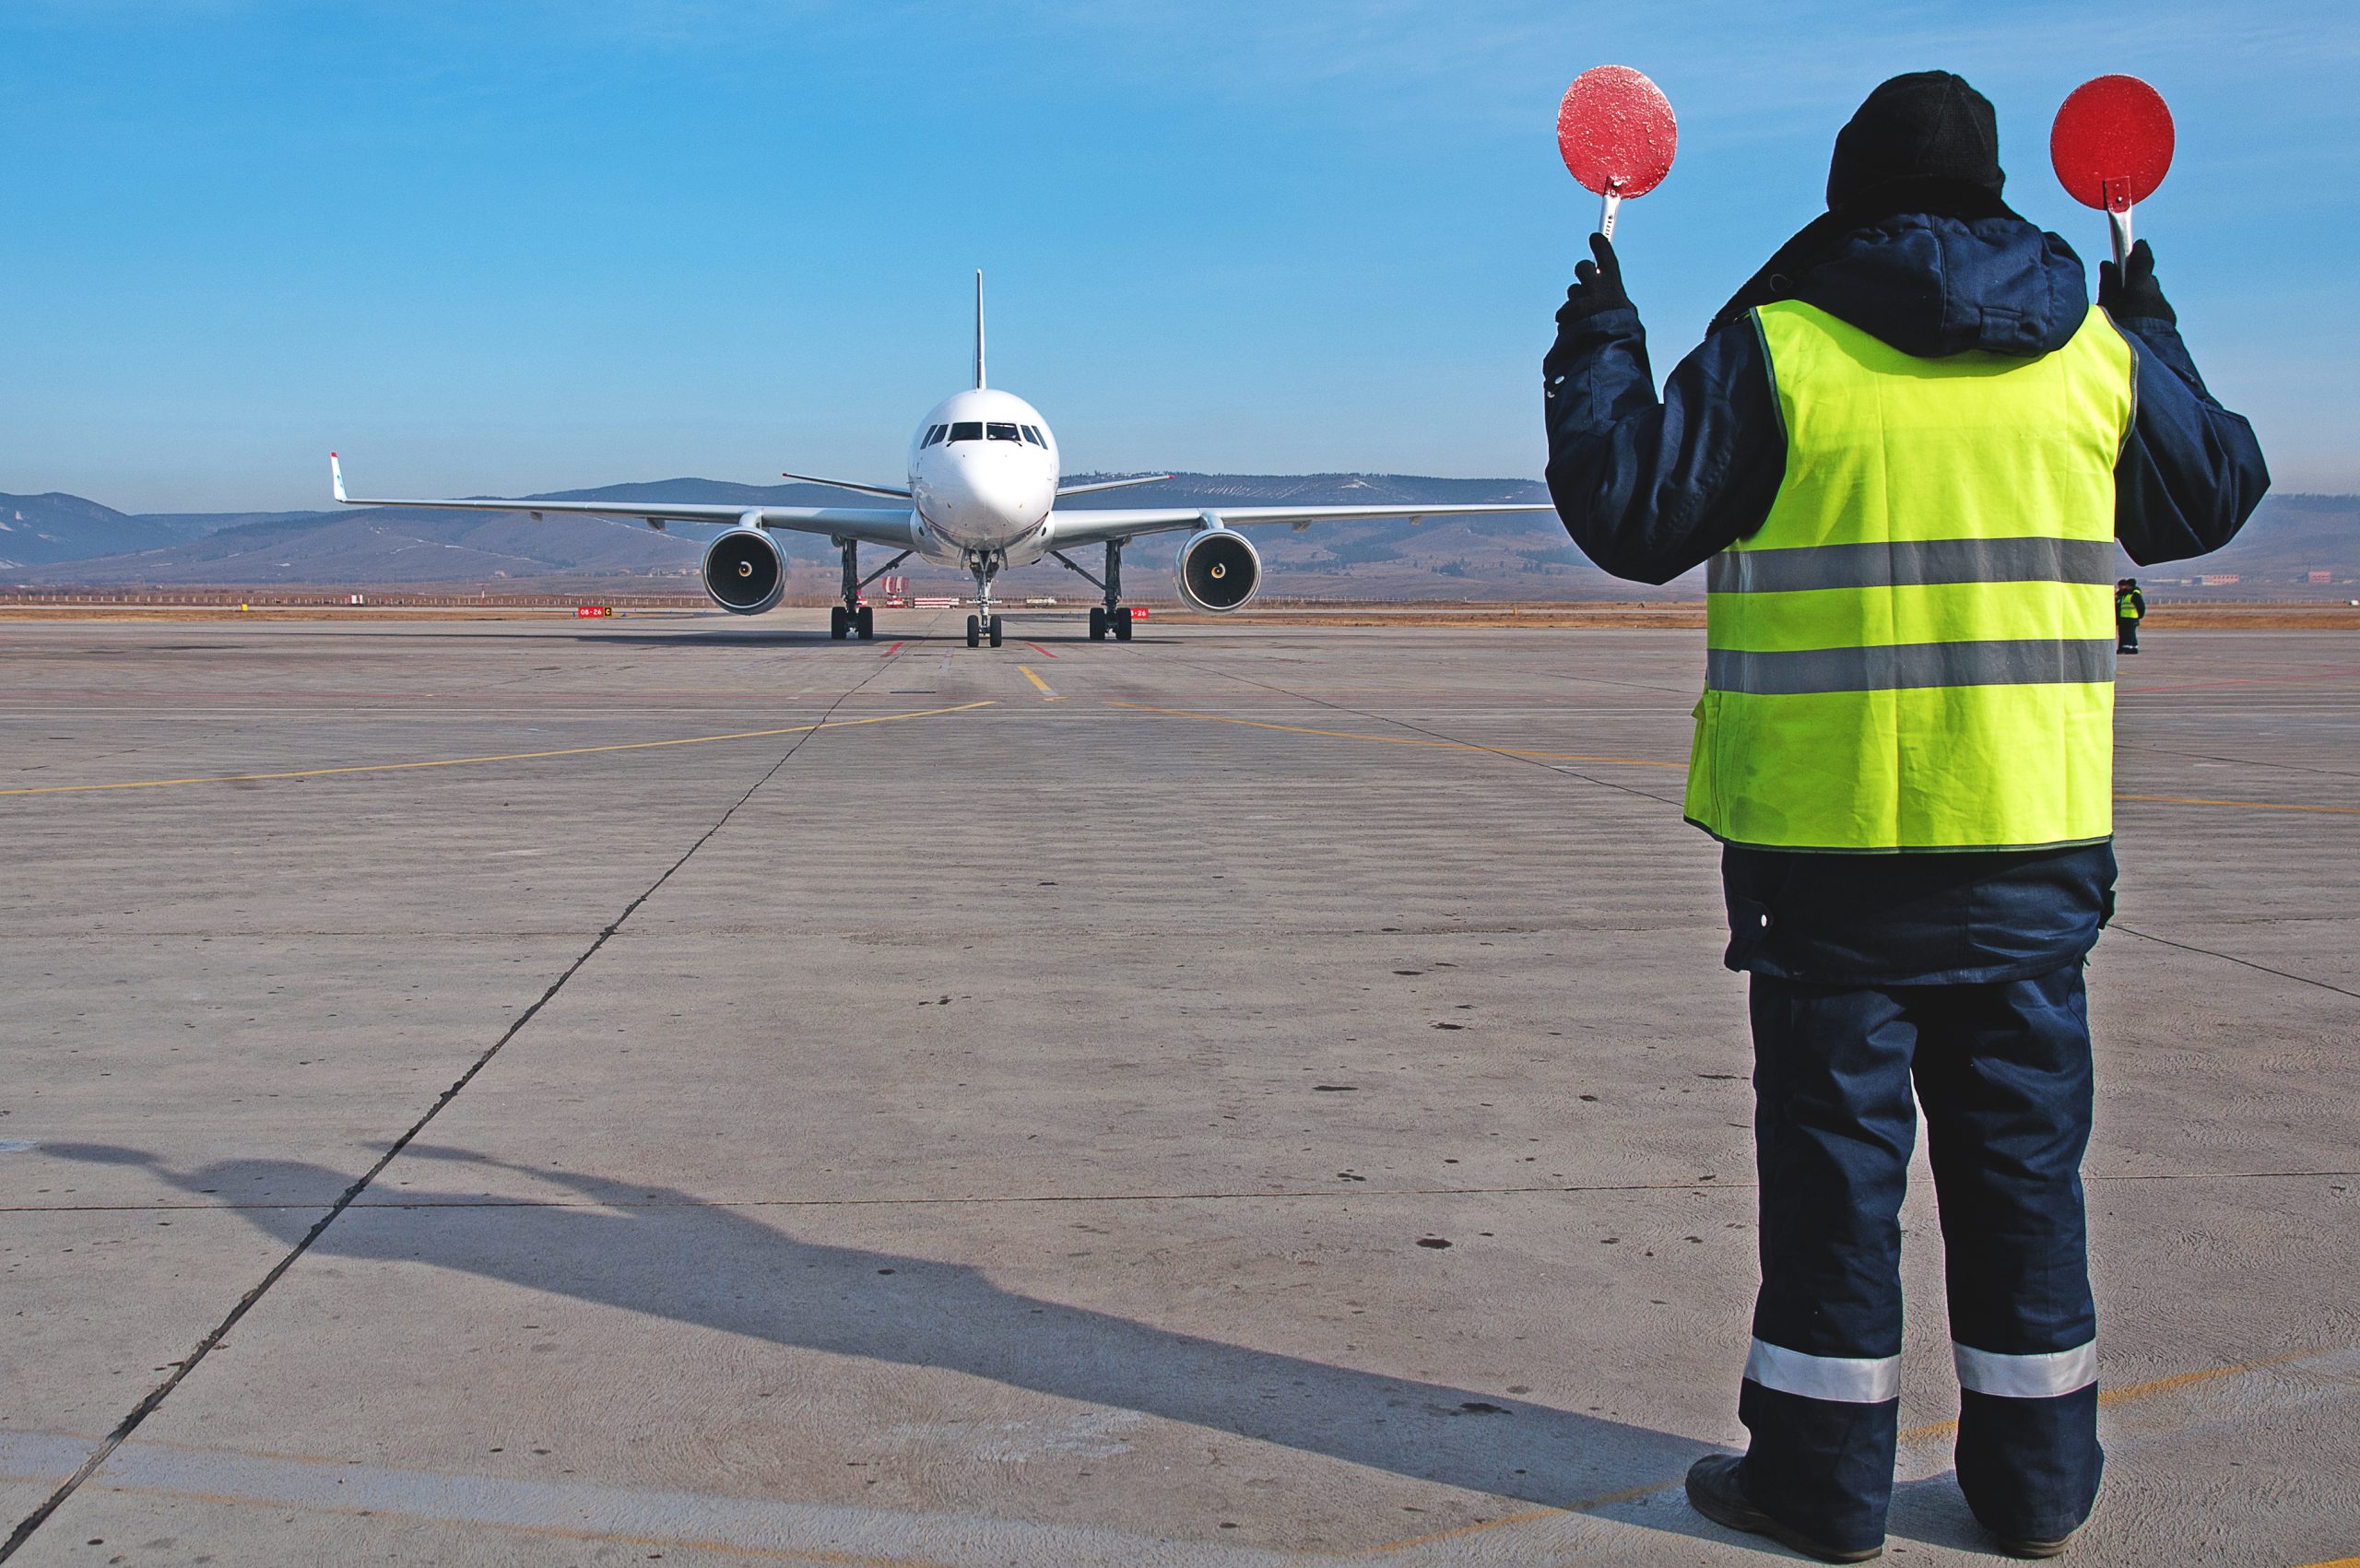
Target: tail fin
x=979, y=329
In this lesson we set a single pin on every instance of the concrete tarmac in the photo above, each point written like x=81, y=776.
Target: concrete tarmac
x=689, y=1089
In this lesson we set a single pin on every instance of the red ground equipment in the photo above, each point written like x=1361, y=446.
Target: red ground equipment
x=1618, y=136
x=2111, y=147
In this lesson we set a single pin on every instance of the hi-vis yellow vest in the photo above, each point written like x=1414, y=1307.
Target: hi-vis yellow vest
x=1915, y=650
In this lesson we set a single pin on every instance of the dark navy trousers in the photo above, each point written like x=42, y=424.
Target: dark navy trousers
x=2003, y=1072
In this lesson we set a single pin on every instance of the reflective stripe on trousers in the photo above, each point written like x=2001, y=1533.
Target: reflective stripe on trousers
x=1871, y=1379
x=1844, y=1380
x=2046, y=1375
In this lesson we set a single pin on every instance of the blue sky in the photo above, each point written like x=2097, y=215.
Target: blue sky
x=487, y=247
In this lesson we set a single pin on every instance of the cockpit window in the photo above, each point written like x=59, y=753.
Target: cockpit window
x=1002, y=432
x=967, y=430
x=935, y=435
x=1033, y=434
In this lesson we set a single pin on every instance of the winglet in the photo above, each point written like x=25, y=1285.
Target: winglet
x=979, y=329
x=336, y=477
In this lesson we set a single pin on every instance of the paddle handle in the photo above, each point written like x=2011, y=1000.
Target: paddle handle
x=1609, y=205
x=2119, y=222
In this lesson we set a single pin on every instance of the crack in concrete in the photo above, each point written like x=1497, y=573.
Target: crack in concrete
x=2232, y=957
x=147, y=1407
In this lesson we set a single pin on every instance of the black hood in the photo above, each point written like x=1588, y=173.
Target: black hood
x=1925, y=125
x=1971, y=274
x=1917, y=248
x=1933, y=285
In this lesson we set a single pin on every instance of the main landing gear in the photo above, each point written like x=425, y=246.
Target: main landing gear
x=1110, y=619
x=853, y=618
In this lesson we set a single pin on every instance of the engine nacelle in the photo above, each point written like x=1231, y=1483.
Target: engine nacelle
x=744, y=572
x=1219, y=570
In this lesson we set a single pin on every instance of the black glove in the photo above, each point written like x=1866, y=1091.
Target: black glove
x=1597, y=287
x=2130, y=292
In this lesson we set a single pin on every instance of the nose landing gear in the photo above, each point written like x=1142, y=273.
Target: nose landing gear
x=986, y=623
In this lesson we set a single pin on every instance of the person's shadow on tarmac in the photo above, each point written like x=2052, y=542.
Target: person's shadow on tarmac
x=670, y=1255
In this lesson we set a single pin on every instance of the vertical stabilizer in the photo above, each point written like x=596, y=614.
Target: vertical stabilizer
x=979, y=329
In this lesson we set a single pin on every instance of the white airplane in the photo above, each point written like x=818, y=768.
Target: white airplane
x=981, y=496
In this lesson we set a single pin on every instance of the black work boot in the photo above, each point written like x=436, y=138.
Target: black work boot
x=2049, y=1548
x=1717, y=1491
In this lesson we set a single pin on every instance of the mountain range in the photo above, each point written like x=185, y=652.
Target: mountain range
x=58, y=541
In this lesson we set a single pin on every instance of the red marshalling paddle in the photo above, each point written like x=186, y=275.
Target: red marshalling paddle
x=2111, y=147
x=1618, y=136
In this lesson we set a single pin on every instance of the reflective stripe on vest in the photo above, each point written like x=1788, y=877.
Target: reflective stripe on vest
x=1915, y=650
x=1901, y=666
x=1890, y=563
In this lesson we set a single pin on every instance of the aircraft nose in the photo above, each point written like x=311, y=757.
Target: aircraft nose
x=994, y=493
x=998, y=484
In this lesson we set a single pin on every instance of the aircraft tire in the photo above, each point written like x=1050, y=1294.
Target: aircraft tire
x=1097, y=622
x=974, y=632
x=836, y=622
x=1122, y=626
x=866, y=624
x=995, y=630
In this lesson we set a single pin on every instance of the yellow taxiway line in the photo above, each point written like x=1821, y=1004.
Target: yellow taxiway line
x=1044, y=687
x=501, y=757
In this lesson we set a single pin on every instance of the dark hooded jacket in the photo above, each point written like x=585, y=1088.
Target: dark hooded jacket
x=1649, y=487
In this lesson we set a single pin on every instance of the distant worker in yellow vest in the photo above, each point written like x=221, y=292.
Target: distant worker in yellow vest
x=2129, y=609
x=1905, y=452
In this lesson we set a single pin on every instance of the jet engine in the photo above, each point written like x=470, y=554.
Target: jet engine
x=1219, y=570
x=744, y=572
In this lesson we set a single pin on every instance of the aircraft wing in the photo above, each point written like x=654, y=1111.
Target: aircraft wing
x=888, y=525
x=1098, y=527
